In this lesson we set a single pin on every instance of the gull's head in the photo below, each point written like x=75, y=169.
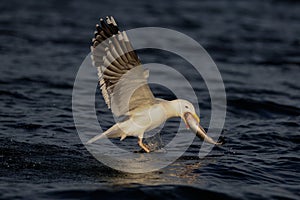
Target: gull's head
x=186, y=111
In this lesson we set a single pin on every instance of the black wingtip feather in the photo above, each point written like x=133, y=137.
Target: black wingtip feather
x=106, y=29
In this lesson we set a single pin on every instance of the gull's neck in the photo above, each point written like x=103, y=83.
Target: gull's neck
x=172, y=108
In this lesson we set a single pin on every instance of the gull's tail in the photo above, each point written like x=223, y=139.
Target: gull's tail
x=112, y=132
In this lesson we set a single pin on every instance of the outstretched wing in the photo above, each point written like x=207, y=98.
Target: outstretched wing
x=123, y=81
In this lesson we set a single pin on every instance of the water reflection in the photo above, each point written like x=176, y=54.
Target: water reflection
x=179, y=172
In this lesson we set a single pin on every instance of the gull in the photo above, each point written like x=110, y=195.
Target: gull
x=124, y=87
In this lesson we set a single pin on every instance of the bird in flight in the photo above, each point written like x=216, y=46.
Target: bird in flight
x=123, y=83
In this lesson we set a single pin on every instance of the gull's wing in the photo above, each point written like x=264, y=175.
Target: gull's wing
x=123, y=81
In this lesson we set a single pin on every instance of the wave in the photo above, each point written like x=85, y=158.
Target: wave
x=261, y=107
x=14, y=94
x=141, y=192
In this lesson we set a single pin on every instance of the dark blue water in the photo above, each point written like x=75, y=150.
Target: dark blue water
x=256, y=47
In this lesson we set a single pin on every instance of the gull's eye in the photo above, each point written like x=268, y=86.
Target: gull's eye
x=186, y=107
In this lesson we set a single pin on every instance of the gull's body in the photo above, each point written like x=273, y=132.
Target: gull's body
x=143, y=119
x=124, y=86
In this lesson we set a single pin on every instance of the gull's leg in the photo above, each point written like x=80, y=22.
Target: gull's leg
x=143, y=146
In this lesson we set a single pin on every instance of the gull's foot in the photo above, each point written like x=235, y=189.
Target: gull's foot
x=143, y=146
x=140, y=151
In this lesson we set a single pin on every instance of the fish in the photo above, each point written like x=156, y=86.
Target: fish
x=195, y=127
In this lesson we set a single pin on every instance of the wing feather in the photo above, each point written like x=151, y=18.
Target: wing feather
x=122, y=78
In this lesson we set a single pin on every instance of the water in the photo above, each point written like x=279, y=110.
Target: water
x=256, y=47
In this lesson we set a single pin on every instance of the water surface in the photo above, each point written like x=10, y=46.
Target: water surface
x=256, y=47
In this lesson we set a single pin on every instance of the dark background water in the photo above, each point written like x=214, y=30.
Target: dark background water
x=256, y=47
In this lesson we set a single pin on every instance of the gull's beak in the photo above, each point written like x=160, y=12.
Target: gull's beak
x=192, y=122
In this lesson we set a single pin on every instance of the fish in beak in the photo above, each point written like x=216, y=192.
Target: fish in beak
x=192, y=122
